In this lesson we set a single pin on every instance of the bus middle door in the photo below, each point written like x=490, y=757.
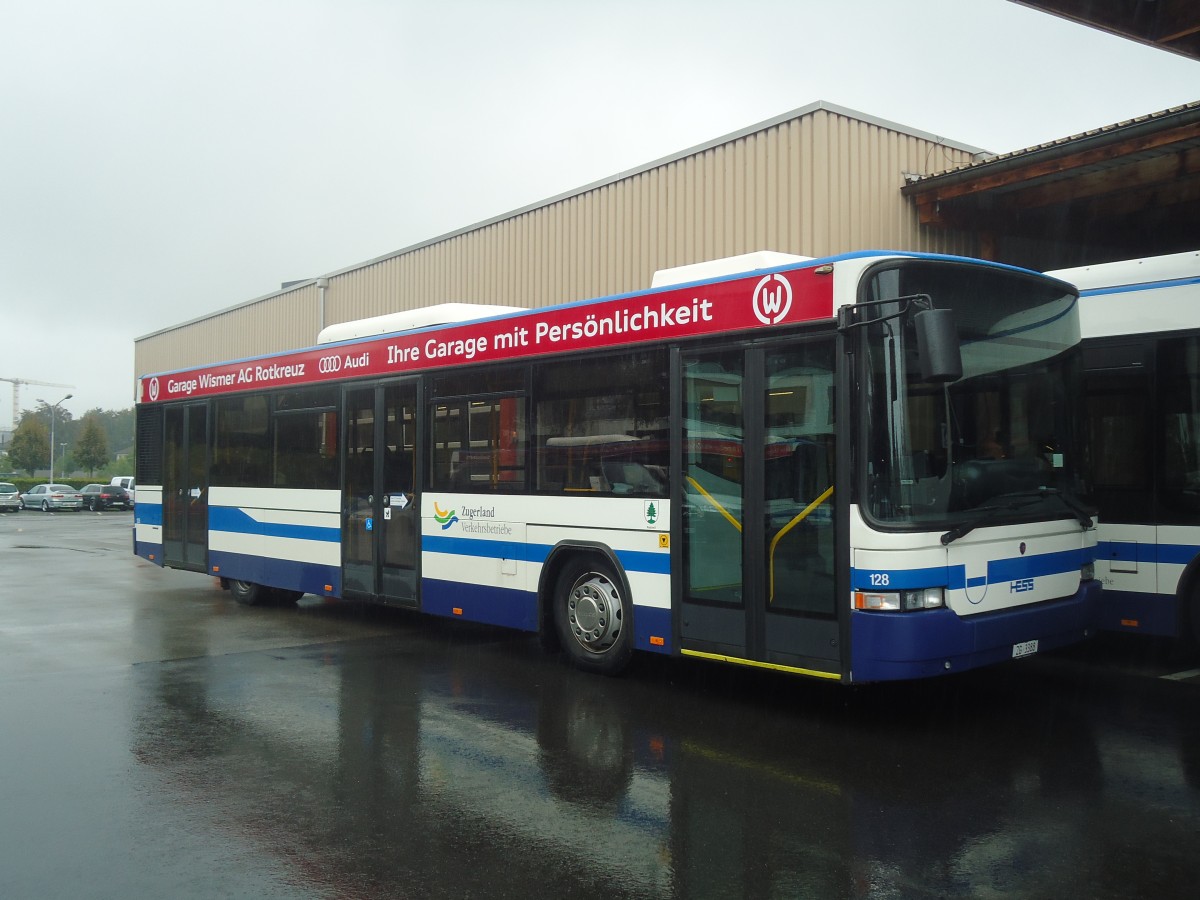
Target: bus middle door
x=760, y=578
x=379, y=502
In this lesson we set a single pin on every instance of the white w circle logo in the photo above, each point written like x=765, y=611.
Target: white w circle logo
x=772, y=299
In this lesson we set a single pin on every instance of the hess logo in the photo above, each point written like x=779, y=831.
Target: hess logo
x=772, y=299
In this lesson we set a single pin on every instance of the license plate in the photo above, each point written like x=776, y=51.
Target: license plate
x=1025, y=648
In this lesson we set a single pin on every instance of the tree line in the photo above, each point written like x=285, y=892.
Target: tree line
x=99, y=439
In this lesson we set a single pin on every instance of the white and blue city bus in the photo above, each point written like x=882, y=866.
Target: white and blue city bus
x=860, y=468
x=1141, y=326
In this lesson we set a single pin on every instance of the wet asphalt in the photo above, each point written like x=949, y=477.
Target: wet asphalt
x=157, y=739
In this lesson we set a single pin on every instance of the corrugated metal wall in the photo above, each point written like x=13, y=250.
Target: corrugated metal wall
x=817, y=182
x=279, y=321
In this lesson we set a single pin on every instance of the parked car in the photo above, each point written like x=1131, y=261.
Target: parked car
x=128, y=482
x=105, y=496
x=51, y=496
x=10, y=497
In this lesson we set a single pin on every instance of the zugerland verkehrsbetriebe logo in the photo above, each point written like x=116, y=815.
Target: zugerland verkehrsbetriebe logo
x=473, y=520
x=443, y=518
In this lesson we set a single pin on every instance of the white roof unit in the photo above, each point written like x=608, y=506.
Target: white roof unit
x=729, y=265
x=1137, y=296
x=412, y=319
x=1132, y=271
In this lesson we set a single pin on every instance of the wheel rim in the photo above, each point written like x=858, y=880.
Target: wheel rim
x=594, y=612
x=45, y=506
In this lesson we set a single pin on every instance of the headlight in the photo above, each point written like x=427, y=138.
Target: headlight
x=1087, y=572
x=900, y=601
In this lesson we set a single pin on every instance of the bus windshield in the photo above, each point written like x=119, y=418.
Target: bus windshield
x=1001, y=442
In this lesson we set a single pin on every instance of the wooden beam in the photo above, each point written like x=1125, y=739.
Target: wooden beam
x=1042, y=168
x=1133, y=176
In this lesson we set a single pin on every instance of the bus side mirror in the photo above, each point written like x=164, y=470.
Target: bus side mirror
x=937, y=345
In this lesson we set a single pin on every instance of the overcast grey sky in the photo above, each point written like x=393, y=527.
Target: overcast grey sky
x=160, y=159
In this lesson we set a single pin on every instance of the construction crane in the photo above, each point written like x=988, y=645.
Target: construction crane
x=16, y=383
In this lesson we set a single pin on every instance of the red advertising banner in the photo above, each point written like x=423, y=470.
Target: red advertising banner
x=757, y=302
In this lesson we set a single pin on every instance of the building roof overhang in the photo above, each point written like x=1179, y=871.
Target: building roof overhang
x=1172, y=25
x=1140, y=174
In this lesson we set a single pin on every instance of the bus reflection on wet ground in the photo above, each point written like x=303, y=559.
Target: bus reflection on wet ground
x=443, y=760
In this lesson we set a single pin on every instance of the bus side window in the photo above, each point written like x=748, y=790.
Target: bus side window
x=600, y=425
x=1120, y=438
x=479, y=444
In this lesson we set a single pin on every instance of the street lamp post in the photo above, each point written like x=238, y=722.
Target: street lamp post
x=52, y=410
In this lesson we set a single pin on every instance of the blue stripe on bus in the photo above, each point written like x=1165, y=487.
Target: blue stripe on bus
x=1144, y=286
x=631, y=560
x=236, y=521
x=1001, y=570
x=955, y=577
x=1123, y=551
x=147, y=513
x=906, y=579
x=484, y=549
x=1147, y=552
x=649, y=563
x=1177, y=554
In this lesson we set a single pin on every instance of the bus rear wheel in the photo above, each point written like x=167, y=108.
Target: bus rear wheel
x=593, y=616
x=247, y=593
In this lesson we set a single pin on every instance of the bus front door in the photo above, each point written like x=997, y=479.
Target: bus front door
x=379, y=504
x=758, y=514
x=185, y=486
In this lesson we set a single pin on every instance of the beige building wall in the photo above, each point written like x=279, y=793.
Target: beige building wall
x=817, y=181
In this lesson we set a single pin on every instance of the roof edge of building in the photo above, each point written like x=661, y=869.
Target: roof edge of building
x=1175, y=115
x=773, y=122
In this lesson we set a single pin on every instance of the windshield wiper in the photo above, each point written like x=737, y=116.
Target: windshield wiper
x=1020, y=500
x=1083, y=515
x=964, y=528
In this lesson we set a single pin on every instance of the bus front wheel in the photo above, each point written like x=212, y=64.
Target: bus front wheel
x=593, y=616
x=247, y=593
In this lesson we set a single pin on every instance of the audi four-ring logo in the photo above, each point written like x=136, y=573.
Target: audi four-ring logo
x=772, y=299
x=327, y=365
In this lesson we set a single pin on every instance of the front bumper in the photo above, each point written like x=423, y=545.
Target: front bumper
x=888, y=646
